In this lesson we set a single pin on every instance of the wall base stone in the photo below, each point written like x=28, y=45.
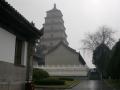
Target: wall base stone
x=12, y=77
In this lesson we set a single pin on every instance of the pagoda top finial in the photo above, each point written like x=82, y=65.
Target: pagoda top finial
x=54, y=6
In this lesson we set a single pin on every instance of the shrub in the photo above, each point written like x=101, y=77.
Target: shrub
x=64, y=78
x=50, y=82
x=39, y=74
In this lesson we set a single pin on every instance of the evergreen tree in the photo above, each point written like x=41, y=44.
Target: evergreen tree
x=100, y=58
x=114, y=63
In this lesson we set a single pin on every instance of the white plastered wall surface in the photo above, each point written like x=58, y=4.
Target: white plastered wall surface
x=24, y=53
x=7, y=46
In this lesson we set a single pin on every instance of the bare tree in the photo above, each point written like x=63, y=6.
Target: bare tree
x=103, y=35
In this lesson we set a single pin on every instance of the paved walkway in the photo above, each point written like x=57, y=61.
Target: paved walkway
x=91, y=85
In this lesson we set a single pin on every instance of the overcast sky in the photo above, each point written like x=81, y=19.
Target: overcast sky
x=80, y=16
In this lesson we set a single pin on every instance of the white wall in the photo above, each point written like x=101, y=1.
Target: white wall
x=24, y=53
x=7, y=46
x=64, y=70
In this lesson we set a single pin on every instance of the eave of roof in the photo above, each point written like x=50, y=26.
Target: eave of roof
x=14, y=22
x=82, y=61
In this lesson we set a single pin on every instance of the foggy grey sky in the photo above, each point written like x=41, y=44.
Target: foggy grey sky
x=80, y=16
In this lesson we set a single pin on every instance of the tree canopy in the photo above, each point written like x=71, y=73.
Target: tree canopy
x=103, y=35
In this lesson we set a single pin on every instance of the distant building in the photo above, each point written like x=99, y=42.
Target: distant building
x=55, y=45
x=62, y=54
x=17, y=39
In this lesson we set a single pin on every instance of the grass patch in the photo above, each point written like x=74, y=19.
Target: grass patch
x=68, y=84
x=71, y=84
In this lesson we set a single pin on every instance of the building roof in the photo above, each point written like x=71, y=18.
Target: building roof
x=81, y=60
x=68, y=48
x=59, y=44
x=14, y=22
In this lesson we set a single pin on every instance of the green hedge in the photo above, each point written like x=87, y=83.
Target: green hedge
x=50, y=82
x=39, y=74
x=67, y=79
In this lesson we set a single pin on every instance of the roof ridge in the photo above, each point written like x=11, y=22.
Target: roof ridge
x=61, y=43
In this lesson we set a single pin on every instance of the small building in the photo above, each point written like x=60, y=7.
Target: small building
x=62, y=54
x=17, y=40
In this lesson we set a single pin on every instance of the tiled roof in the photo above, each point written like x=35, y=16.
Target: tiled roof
x=14, y=22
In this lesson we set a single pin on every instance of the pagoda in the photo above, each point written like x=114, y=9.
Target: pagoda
x=54, y=30
x=55, y=55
